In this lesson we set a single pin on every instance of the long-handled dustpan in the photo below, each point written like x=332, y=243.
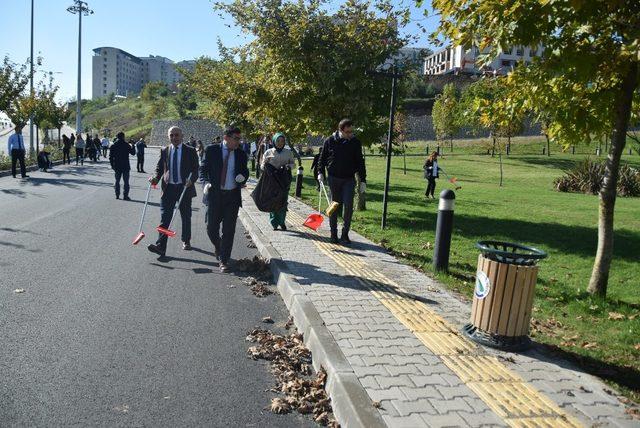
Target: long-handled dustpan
x=167, y=231
x=140, y=236
x=314, y=220
x=453, y=180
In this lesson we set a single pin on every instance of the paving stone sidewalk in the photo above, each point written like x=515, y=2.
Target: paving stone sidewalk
x=398, y=330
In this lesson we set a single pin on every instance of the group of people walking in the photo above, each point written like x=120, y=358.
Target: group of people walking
x=222, y=171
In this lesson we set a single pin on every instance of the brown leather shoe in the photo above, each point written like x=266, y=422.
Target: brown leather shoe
x=186, y=246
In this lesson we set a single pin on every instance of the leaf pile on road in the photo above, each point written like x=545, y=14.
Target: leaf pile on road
x=291, y=365
x=258, y=273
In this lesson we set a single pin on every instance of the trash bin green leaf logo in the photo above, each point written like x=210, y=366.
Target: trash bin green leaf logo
x=483, y=285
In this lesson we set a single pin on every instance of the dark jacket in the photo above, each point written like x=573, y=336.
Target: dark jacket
x=342, y=158
x=188, y=165
x=428, y=169
x=140, y=146
x=119, y=156
x=315, y=165
x=212, y=168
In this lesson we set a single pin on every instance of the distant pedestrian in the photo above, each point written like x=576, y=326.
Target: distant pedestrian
x=224, y=172
x=316, y=170
x=104, y=143
x=176, y=169
x=119, y=160
x=192, y=142
x=80, y=146
x=66, y=149
x=342, y=157
x=281, y=158
x=200, y=150
x=44, y=161
x=16, y=150
x=431, y=170
x=97, y=145
x=140, y=146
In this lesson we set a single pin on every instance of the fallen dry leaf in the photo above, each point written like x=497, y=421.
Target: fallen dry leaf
x=279, y=406
x=377, y=404
x=18, y=290
x=589, y=345
x=267, y=320
x=637, y=347
x=616, y=316
x=632, y=317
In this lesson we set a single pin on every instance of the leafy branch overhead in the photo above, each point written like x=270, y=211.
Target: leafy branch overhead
x=305, y=68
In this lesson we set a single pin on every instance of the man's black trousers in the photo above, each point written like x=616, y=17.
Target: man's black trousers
x=140, y=163
x=17, y=155
x=125, y=178
x=223, y=211
x=168, y=202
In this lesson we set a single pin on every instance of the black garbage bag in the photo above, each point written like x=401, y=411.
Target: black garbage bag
x=272, y=190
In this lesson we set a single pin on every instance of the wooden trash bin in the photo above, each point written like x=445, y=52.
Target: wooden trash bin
x=503, y=295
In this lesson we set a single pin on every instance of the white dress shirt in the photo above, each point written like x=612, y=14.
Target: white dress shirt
x=172, y=148
x=230, y=181
x=16, y=141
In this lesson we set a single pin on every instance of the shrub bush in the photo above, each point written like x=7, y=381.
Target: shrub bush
x=588, y=175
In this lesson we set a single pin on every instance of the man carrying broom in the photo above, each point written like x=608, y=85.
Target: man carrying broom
x=178, y=169
x=342, y=157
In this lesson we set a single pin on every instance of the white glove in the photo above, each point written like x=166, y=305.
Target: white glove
x=240, y=178
x=363, y=187
x=321, y=178
x=206, y=188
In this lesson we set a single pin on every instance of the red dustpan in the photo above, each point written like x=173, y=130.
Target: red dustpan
x=314, y=221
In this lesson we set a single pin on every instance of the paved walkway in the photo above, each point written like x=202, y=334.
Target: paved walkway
x=399, y=332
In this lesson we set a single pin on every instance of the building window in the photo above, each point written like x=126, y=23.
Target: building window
x=506, y=63
x=105, y=85
x=104, y=78
x=520, y=51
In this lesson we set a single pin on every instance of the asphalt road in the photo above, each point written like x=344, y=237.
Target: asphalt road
x=105, y=334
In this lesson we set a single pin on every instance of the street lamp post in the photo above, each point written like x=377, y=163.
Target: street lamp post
x=394, y=75
x=79, y=7
x=31, y=92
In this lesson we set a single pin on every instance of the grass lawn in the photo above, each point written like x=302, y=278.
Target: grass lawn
x=525, y=210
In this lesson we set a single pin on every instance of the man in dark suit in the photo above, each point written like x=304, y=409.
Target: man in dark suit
x=224, y=171
x=119, y=160
x=177, y=162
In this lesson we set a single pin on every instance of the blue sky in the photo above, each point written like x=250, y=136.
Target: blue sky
x=178, y=30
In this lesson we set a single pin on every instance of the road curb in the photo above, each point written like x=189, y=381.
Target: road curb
x=352, y=405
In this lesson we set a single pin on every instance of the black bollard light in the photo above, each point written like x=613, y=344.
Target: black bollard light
x=444, y=227
x=299, y=181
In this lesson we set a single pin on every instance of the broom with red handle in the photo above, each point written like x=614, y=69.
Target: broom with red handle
x=140, y=236
x=167, y=231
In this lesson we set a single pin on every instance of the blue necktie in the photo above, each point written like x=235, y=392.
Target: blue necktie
x=175, y=166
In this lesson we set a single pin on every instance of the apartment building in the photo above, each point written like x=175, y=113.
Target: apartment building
x=123, y=74
x=457, y=59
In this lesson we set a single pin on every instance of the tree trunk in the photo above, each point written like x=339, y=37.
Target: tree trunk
x=404, y=156
x=59, y=130
x=361, y=200
x=493, y=149
x=548, y=146
x=501, y=174
x=451, y=143
x=604, y=254
x=37, y=139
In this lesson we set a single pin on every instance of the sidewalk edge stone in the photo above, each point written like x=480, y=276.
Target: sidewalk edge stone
x=351, y=404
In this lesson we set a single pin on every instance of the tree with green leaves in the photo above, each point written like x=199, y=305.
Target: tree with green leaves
x=586, y=80
x=310, y=65
x=184, y=101
x=13, y=80
x=445, y=114
x=58, y=116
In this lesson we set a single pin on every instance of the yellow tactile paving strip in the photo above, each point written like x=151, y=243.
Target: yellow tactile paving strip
x=514, y=400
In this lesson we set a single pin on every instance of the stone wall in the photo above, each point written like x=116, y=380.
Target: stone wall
x=205, y=130
x=419, y=128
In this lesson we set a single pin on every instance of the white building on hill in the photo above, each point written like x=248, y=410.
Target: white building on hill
x=456, y=59
x=121, y=73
